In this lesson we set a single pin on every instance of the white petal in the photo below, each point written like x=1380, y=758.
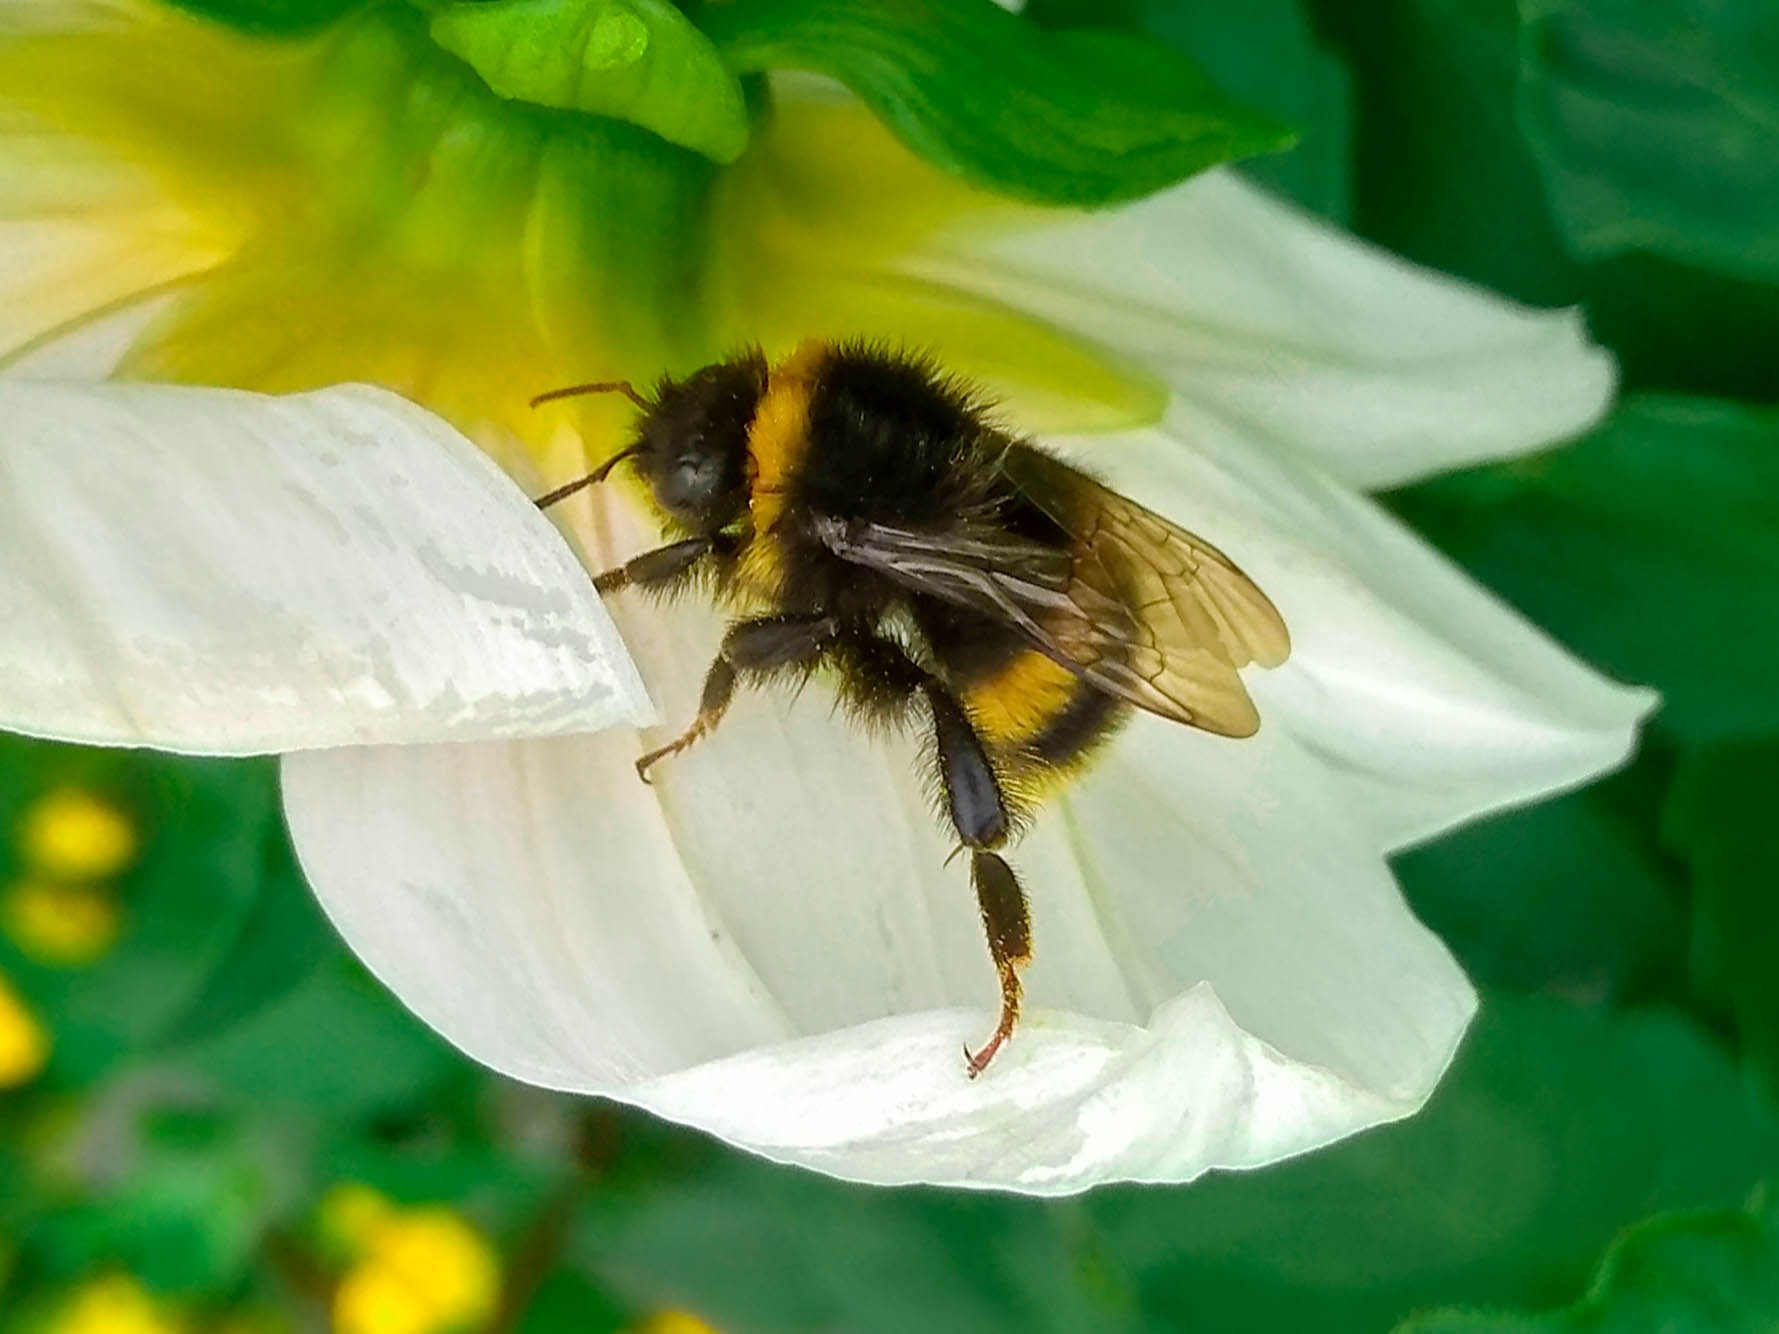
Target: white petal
x=230, y=573
x=1380, y=371
x=1283, y=997
x=57, y=275
x=1432, y=701
x=767, y=942
x=88, y=349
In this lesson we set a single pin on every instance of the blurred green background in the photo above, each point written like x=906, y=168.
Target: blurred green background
x=213, y=1120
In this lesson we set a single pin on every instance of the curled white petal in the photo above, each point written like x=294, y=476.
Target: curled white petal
x=1380, y=371
x=57, y=277
x=1432, y=701
x=768, y=944
x=231, y=573
x=1083, y=1102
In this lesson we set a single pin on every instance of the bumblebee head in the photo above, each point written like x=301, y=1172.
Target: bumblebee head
x=691, y=444
x=691, y=441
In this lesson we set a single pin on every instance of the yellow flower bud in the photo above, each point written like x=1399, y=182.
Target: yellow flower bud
x=114, y=1304
x=24, y=1042
x=63, y=924
x=70, y=834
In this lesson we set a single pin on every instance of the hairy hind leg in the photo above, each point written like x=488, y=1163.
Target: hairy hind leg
x=1007, y=922
x=978, y=812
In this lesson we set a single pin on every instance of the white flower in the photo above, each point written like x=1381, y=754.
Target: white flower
x=767, y=943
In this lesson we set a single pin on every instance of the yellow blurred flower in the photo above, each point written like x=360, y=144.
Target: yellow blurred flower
x=71, y=834
x=24, y=1042
x=375, y=1300
x=114, y=1304
x=420, y=1271
x=435, y=1249
x=57, y=923
x=349, y=1216
x=675, y=1322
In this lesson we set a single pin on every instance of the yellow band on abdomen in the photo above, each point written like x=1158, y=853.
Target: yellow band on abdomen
x=1018, y=702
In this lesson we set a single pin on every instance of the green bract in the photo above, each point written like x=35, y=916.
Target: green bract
x=1084, y=118
x=1269, y=56
x=634, y=60
x=1077, y=117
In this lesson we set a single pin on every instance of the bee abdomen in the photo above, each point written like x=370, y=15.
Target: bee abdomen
x=1039, y=719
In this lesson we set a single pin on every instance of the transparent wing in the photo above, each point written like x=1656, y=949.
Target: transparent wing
x=1136, y=605
x=1165, y=615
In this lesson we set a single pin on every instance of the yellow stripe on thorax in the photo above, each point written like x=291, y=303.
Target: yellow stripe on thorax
x=777, y=440
x=1019, y=701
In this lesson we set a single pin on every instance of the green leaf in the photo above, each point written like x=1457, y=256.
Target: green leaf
x=1714, y=1273
x=272, y=18
x=1655, y=123
x=189, y=1213
x=855, y=1259
x=634, y=60
x=1084, y=117
x=1651, y=547
x=1721, y=818
x=206, y=826
x=1557, y=1128
x=1573, y=896
x=1443, y=174
x=1675, y=327
x=337, y=1046
x=1265, y=55
x=282, y=940
x=567, y=1303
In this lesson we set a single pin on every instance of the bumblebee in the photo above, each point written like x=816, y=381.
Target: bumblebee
x=860, y=510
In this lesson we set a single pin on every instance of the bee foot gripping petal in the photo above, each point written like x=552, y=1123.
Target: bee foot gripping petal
x=1008, y=924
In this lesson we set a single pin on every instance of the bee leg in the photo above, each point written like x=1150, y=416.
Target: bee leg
x=1008, y=925
x=979, y=814
x=719, y=689
x=759, y=648
x=659, y=568
x=882, y=677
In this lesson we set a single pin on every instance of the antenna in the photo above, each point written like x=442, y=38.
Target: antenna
x=623, y=387
x=591, y=479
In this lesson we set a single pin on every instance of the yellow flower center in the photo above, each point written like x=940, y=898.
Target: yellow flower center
x=360, y=206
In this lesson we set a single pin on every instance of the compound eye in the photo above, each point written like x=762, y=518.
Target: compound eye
x=692, y=481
